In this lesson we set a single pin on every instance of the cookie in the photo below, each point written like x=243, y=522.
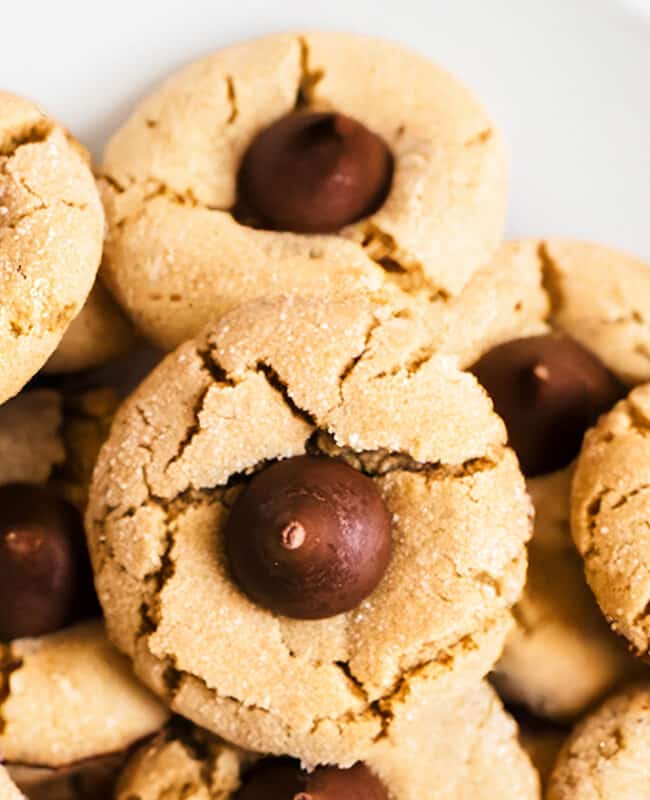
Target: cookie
x=69, y=696
x=465, y=747
x=51, y=233
x=595, y=294
x=541, y=326
x=66, y=695
x=413, y=444
x=268, y=128
x=100, y=333
x=562, y=657
x=606, y=756
x=610, y=506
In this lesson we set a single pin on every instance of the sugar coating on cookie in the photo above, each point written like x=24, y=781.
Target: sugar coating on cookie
x=561, y=657
x=177, y=258
x=461, y=748
x=352, y=378
x=606, y=757
x=99, y=333
x=610, y=507
x=51, y=233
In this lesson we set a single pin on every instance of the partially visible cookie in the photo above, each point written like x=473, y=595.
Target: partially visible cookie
x=69, y=696
x=561, y=657
x=606, y=757
x=183, y=760
x=30, y=437
x=65, y=694
x=554, y=332
x=51, y=234
x=463, y=748
x=610, y=512
x=352, y=383
x=100, y=333
x=184, y=244
x=596, y=294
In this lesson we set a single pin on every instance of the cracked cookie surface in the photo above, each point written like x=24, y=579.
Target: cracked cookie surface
x=463, y=748
x=606, y=757
x=611, y=508
x=596, y=294
x=176, y=258
x=353, y=377
x=51, y=232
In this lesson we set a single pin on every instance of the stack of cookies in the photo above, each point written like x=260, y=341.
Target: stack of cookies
x=377, y=526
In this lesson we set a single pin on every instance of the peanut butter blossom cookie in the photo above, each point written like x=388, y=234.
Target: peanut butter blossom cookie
x=554, y=331
x=65, y=694
x=51, y=232
x=304, y=518
x=298, y=162
x=606, y=757
x=463, y=747
x=611, y=507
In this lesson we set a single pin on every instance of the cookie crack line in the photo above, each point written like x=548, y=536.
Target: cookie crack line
x=32, y=133
x=232, y=99
x=380, y=247
x=407, y=274
x=309, y=78
x=551, y=281
x=381, y=708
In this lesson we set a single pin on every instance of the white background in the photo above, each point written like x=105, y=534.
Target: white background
x=567, y=80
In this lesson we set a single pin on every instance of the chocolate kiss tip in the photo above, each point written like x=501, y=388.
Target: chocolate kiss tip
x=293, y=536
x=541, y=372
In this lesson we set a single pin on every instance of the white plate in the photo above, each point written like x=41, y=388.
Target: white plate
x=568, y=81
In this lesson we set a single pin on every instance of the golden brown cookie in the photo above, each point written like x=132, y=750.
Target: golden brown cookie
x=610, y=507
x=462, y=748
x=100, y=333
x=176, y=255
x=352, y=379
x=51, y=233
x=606, y=757
x=561, y=657
x=70, y=696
